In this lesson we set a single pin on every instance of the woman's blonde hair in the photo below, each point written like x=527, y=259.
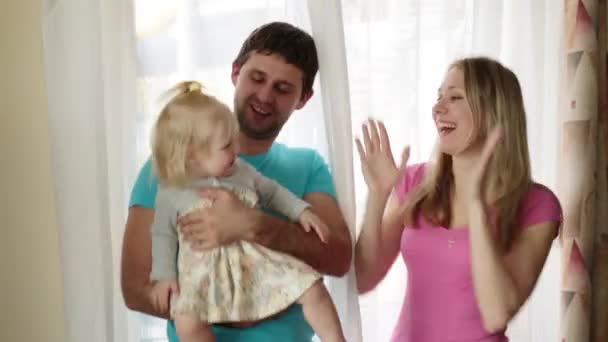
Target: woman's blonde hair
x=191, y=119
x=494, y=95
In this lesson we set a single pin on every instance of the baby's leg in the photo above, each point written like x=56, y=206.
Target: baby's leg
x=191, y=329
x=320, y=312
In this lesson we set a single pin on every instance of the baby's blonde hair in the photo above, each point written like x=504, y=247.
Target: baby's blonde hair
x=190, y=120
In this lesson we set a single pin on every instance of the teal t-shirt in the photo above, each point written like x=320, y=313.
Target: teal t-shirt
x=302, y=171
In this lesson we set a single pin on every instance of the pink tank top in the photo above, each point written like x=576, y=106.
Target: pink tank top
x=440, y=303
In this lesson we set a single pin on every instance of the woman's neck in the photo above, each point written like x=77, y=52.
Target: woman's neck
x=462, y=166
x=462, y=170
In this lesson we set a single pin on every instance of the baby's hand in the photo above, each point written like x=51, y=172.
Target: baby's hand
x=162, y=291
x=309, y=221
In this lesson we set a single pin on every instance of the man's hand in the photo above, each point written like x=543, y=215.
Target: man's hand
x=226, y=221
x=229, y=220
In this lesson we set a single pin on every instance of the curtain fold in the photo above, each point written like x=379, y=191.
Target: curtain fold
x=327, y=29
x=599, y=328
x=583, y=183
x=88, y=48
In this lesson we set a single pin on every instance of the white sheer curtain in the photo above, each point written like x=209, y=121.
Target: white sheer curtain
x=90, y=71
x=103, y=89
x=328, y=32
x=398, y=52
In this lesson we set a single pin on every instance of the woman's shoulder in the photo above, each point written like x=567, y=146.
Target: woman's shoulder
x=539, y=193
x=540, y=204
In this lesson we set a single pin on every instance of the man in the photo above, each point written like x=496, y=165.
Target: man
x=273, y=76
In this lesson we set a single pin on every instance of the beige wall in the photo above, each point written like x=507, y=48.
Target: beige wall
x=31, y=303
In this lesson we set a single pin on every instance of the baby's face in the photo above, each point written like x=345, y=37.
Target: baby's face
x=218, y=159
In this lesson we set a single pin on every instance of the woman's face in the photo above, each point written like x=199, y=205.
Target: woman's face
x=452, y=115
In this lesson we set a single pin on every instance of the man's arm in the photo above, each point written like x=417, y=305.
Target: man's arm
x=136, y=261
x=332, y=258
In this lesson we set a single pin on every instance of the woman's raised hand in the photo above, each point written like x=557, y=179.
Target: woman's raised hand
x=380, y=171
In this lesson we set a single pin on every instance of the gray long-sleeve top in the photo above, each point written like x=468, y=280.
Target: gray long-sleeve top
x=171, y=202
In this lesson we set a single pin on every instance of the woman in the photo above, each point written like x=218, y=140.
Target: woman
x=473, y=228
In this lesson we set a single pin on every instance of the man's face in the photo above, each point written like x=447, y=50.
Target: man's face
x=267, y=91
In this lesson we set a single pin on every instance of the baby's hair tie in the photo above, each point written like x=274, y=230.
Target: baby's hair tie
x=194, y=86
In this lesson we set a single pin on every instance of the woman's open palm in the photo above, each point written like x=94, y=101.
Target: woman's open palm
x=379, y=169
x=479, y=174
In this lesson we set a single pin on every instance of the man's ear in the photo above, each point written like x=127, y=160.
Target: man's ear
x=236, y=69
x=305, y=97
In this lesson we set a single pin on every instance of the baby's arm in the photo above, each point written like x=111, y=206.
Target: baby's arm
x=275, y=196
x=164, y=238
x=310, y=220
x=164, y=251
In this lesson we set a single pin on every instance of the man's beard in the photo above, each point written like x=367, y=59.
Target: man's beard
x=270, y=132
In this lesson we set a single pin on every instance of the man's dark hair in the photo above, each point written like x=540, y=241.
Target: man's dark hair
x=292, y=43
